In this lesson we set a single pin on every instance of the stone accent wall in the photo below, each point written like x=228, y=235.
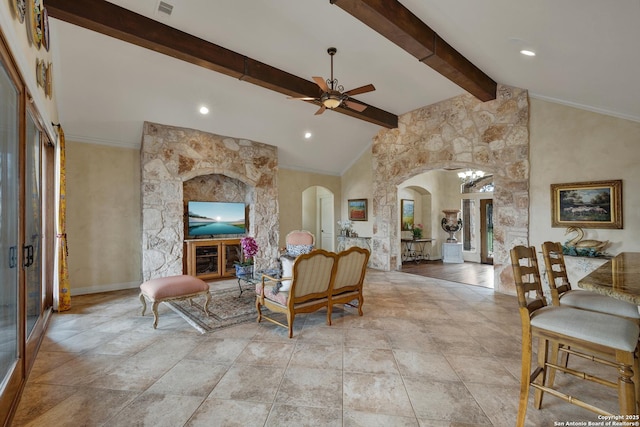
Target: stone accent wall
x=171, y=156
x=461, y=132
x=216, y=188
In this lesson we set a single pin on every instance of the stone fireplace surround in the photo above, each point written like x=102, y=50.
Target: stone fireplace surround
x=176, y=161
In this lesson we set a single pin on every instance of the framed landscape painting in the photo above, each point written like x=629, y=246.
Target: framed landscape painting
x=596, y=204
x=406, y=214
x=357, y=209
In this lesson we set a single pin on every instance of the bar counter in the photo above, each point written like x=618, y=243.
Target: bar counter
x=618, y=278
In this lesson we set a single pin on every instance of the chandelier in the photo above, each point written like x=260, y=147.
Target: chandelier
x=470, y=176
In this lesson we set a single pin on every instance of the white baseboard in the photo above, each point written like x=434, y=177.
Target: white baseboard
x=104, y=288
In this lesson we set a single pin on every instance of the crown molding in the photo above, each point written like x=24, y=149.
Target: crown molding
x=101, y=141
x=590, y=108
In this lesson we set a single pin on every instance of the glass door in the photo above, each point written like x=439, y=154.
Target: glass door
x=486, y=231
x=26, y=223
x=32, y=248
x=10, y=369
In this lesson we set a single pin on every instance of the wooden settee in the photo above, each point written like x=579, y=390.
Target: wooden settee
x=320, y=279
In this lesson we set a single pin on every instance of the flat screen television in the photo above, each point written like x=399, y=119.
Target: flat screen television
x=213, y=219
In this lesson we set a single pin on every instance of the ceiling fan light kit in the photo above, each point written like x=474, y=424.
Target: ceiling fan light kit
x=333, y=94
x=331, y=100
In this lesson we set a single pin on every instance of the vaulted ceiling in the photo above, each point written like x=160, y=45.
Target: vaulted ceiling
x=242, y=59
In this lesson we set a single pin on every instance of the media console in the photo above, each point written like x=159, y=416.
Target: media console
x=212, y=258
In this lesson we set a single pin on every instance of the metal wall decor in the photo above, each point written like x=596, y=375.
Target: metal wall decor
x=44, y=76
x=37, y=20
x=44, y=28
x=19, y=8
x=34, y=16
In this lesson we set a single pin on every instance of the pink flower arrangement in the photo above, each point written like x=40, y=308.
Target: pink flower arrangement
x=249, y=249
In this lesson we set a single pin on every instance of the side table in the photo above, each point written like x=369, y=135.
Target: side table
x=255, y=278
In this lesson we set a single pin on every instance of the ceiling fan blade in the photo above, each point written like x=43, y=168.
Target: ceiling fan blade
x=303, y=99
x=322, y=83
x=361, y=89
x=320, y=111
x=355, y=106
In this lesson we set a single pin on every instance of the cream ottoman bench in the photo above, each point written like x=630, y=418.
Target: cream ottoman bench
x=172, y=288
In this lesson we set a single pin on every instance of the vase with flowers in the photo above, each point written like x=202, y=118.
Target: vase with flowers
x=249, y=250
x=345, y=227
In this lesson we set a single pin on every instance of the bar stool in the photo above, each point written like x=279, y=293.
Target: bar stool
x=602, y=338
x=563, y=294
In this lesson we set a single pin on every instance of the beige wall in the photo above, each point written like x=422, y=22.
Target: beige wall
x=291, y=184
x=357, y=183
x=103, y=217
x=572, y=145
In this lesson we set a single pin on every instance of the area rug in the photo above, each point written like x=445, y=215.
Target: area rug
x=227, y=308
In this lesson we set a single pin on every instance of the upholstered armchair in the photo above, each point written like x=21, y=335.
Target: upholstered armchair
x=298, y=242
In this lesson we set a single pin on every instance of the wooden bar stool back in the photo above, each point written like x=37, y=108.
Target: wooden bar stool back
x=603, y=338
x=563, y=294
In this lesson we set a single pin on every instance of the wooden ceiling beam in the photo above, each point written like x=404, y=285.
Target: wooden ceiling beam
x=123, y=24
x=395, y=22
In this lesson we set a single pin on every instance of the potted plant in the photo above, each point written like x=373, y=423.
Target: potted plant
x=249, y=249
x=417, y=231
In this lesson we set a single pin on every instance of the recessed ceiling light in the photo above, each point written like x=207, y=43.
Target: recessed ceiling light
x=527, y=52
x=307, y=135
x=204, y=110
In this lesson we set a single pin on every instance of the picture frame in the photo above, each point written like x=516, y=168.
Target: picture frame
x=594, y=204
x=407, y=214
x=357, y=209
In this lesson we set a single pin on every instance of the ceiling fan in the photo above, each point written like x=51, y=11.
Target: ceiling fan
x=333, y=94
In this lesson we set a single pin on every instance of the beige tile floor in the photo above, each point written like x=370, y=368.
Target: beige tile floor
x=427, y=352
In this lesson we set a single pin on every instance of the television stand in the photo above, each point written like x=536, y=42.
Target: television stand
x=209, y=259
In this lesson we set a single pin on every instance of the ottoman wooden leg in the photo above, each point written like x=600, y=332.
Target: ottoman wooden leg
x=206, y=303
x=154, y=308
x=144, y=303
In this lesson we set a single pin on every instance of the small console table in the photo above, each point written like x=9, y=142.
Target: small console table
x=345, y=242
x=414, y=249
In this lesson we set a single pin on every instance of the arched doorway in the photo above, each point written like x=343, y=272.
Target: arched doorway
x=318, y=216
x=431, y=192
x=461, y=132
